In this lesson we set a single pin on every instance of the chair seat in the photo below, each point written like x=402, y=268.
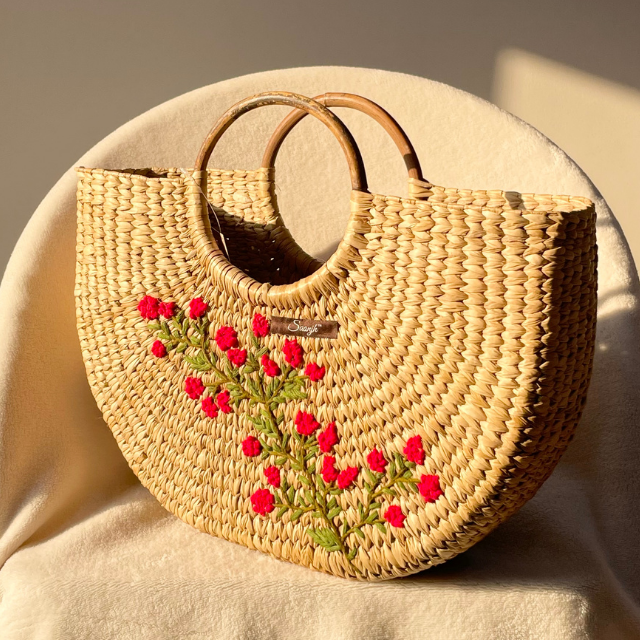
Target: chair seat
x=88, y=552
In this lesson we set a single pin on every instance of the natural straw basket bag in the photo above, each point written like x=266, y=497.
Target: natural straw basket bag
x=446, y=354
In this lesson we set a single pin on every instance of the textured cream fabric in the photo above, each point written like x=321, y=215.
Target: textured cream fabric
x=87, y=551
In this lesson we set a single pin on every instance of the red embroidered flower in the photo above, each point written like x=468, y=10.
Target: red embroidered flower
x=329, y=471
x=270, y=367
x=328, y=437
x=237, y=356
x=262, y=501
x=377, y=461
x=272, y=474
x=193, y=387
x=260, y=326
x=430, y=488
x=394, y=516
x=346, y=477
x=222, y=400
x=197, y=308
x=158, y=349
x=149, y=307
x=306, y=424
x=251, y=447
x=210, y=407
x=314, y=372
x=167, y=309
x=226, y=338
x=414, y=450
x=293, y=353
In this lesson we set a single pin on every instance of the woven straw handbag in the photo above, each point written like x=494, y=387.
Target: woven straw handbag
x=370, y=416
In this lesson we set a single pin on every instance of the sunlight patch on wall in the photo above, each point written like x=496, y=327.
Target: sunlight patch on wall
x=594, y=120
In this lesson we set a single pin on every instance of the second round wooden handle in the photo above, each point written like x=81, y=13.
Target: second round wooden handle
x=351, y=101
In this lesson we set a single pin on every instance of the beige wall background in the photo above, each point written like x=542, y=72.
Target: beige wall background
x=71, y=72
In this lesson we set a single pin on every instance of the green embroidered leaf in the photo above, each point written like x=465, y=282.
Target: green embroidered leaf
x=414, y=487
x=375, y=505
x=309, y=496
x=325, y=537
x=281, y=512
x=408, y=473
x=164, y=336
x=321, y=483
x=392, y=469
x=333, y=503
x=372, y=478
x=389, y=492
x=359, y=532
x=304, y=480
x=316, y=514
x=380, y=526
x=352, y=554
x=265, y=454
x=255, y=342
x=334, y=512
x=182, y=347
x=296, y=515
x=261, y=352
x=280, y=461
x=290, y=494
x=153, y=326
x=165, y=328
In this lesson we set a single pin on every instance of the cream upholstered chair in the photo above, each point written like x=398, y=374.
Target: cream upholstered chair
x=87, y=551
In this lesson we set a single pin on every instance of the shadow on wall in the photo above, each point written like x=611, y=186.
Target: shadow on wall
x=596, y=121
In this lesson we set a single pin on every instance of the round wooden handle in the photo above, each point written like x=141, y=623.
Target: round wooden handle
x=351, y=101
x=303, y=105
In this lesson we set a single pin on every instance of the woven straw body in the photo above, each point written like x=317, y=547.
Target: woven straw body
x=466, y=325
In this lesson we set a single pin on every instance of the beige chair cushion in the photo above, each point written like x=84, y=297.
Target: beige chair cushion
x=88, y=552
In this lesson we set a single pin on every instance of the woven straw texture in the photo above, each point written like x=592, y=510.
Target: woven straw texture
x=466, y=318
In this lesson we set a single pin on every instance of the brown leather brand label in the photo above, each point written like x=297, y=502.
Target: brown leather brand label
x=304, y=328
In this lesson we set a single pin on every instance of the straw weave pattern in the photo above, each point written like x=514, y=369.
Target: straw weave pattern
x=466, y=317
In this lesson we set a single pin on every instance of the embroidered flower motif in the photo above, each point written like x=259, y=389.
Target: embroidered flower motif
x=260, y=326
x=316, y=479
x=293, y=353
x=377, y=461
x=272, y=474
x=158, y=349
x=197, y=308
x=306, y=424
x=262, y=501
x=346, y=477
x=328, y=438
x=394, y=516
x=270, y=367
x=414, y=450
x=167, y=309
x=237, y=357
x=329, y=471
x=210, y=407
x=314, y=372
x=251, y=447
x=194, y=387
x=222, y=400
x=429, y=487
x=226, y=338
x=149, y=307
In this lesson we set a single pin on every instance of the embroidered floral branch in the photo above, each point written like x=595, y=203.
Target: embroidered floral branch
x=252, y=373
